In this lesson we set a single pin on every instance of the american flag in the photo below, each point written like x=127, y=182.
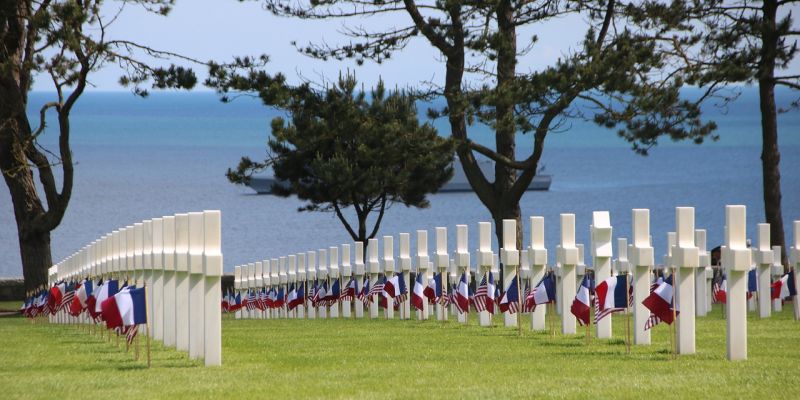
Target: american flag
x=445, y=298
x=349, y=291
x=377, y=288
x=68, y=296
x=251, y=300
x=131, y=333
x=363, y=295
x=481, y=294
x=261, y=303
x=319, y=296
x=528, y=305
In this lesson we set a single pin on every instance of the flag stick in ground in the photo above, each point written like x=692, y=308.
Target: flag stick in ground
x=147, y=324
x=327, y=304
x=136, y=356
x=673, y=332
x=627, y=314
x=589, y=325
x=519, y=302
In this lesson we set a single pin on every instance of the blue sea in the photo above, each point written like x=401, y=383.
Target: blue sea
x=142, y=158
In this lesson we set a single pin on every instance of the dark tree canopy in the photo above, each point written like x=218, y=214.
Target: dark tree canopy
x=62, y=42
x=620, y=76
x=726, y=43
x=344, y=148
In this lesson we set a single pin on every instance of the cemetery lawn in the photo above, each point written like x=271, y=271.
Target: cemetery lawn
x=326, y=359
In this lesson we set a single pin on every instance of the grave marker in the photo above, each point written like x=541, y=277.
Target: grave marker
x=485, y=260
x=642, y=258
x=509, y=256
x=601, y=254
x=685, y=258
x=567, y=256
x=736, y=259
x=764, y=259
x=359, y=272
x=374, y=268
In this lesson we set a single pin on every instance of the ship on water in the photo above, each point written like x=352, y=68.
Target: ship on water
x=263, y=184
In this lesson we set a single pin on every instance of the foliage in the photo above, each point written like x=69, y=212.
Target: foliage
x=618, y=76
x=63, y=42
x=727, y=43
x=341, y=358
x=344, y=148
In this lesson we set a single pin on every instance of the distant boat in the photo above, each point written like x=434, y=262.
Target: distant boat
x=262, y=184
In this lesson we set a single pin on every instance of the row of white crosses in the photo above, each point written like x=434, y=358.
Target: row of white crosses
x=323, y=264
x=686, y=255
x=179, y=260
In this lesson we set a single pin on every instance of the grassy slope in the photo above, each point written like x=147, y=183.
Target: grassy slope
x=399, y=359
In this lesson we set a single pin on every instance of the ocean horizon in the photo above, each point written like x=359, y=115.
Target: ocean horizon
x=137, y=159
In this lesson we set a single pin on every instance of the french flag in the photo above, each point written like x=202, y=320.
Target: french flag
x=721, y=291
x=108, y=289
x=125, y=308
x=581, y=306
x=280, y=299
x=508, y=302
x=784, y=287
x=462, y=294
x=333, y=295
x=74, y=306
x=612, y=296
x=752, y=283
x=269, y=301
x=236, y=305
x=434, y=289
x=611, y=292
x=319, y=296
x=659, y=302
x=41, y=303
x=543, y=293
x=226, y=302
x=491, y=289
x=391, y=288
x=56, y=294
x=79, y=302
x=395, y=289
x=291, y=299
x=84, y=293
x=418, y=295
x=300, y=295
x=91, y=302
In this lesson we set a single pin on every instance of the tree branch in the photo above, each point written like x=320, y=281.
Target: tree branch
x=493, y=155
x=344, y=221
x=426, y=29
x=380, y=217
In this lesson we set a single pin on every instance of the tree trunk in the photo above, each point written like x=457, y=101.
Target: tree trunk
x=18, y=154
x=505, y=140
x=34, y=243
x=509, y=211
x=36, y=259
x=770, y=154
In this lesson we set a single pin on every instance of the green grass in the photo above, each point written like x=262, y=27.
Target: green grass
x=398, y=359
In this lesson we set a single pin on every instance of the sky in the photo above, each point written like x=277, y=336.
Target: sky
x=220, y=29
